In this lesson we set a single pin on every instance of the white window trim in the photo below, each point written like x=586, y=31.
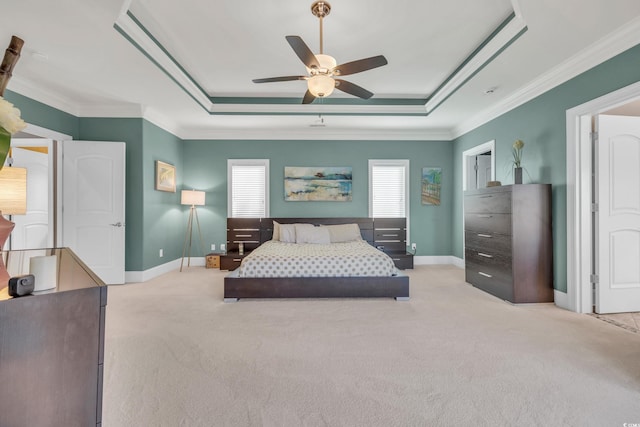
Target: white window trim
x=407, y=199
x=248, y=162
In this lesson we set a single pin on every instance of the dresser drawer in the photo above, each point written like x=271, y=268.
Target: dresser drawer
x=494, y=260
x=494, y=281
x=499, y=202
x=487, y=241
x=492, y=223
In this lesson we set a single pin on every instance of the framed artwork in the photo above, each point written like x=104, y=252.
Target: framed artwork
x=165, y=177
x=318, y=184
x=431, y=183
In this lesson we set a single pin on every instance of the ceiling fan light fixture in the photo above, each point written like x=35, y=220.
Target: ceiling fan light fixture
x=321, y=85
x=327, y=63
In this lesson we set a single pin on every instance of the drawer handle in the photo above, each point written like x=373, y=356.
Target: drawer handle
x=485, y=255
x=389, y=235
x=243, y=235
x=488, y=236
x=486, y=197
x=485, y=216
x=484, y=274
x=237, y=259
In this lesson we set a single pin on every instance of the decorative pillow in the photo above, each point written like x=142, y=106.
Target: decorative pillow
x=276, y=231
x=307, y=233
x=288, y=233
x=344, y=233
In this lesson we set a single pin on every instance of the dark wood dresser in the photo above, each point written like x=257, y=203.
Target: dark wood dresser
x=508, y=242
x=52, y=345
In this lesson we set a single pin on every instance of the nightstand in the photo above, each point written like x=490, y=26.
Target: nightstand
x=231, y=261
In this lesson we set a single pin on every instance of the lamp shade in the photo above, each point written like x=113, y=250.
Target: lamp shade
x=192, y=197
x=13, y=191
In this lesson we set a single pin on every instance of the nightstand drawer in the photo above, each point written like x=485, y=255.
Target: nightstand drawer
x=230, y=261
x=402, y=261
x=243, y=235
x=390, y=235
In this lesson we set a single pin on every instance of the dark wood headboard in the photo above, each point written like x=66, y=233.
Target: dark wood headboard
x=252, y=232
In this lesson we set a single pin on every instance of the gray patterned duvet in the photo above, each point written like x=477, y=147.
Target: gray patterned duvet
x=279, y=259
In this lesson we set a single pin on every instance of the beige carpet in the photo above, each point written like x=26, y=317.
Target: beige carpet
x=176, y=355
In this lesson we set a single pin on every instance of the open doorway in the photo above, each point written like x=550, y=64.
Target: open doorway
x=581, y=160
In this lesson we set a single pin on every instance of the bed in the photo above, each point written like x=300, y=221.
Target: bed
x=275, y=266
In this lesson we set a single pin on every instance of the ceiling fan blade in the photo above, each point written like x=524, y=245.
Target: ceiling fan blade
x=308, y=98
x=303, y=51
x=353, y=89
x=359, y=65
x=279, y=79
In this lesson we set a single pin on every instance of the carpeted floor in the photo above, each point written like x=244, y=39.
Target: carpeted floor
x=176, y=355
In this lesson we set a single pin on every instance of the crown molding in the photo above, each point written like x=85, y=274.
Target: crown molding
x=319, y=134
x=313, y=109
x=606, y=48
x=111, y=111
x=41, y=94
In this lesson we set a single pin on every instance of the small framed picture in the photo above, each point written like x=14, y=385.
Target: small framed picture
x=165, y=177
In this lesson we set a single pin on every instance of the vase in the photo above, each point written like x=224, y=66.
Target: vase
x=5, y=143
x=517, y=175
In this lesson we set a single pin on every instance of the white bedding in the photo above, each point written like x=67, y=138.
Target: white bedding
x=279, y=259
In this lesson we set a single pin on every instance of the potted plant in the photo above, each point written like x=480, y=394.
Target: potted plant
x=517, y=159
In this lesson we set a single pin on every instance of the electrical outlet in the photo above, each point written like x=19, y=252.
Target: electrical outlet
x=161, y=253
x=222, y=246
x=213, y=246
x=413, y=246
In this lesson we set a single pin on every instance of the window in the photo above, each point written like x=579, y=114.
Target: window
x=389, y=189
x=248, y=189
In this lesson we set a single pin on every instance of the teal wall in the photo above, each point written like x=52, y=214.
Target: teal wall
x=541, y=124
x=430, y=225
x=164, y=220
x=37, y=113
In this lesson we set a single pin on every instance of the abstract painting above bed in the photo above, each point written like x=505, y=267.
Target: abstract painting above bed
x=318, y=184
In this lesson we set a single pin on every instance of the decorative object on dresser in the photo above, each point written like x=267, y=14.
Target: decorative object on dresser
x=517, y=159
x=193, y=198
x=508, y=242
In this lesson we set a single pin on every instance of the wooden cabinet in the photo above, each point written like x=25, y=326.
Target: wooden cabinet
x=508, y=242
x=52, y=346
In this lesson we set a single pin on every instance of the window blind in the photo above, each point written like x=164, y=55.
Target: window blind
x=248, y=191
x=388, y=191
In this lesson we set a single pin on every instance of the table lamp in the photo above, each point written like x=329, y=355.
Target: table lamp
x=13, y=201
x=193, y=198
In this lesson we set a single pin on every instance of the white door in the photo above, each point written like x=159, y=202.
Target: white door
x=617, y=253
x=35, y=229
x=93, y=187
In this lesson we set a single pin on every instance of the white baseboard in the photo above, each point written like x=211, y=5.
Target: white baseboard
x=143, y=276
x=435, y=260
x=561, y=299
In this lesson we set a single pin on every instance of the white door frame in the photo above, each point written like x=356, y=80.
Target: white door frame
x=579, y=297
x=489, y=146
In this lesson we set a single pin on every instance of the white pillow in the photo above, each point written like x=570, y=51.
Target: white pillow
x=344, y=232
x=276, y=231
x=307, y=233
x=287, y=233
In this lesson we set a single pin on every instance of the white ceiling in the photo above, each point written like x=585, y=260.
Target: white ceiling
x=91, y=58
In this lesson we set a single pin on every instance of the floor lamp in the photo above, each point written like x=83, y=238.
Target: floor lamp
x=193, y=198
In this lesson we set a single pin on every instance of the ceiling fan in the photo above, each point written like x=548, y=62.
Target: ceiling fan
x=322, y=69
